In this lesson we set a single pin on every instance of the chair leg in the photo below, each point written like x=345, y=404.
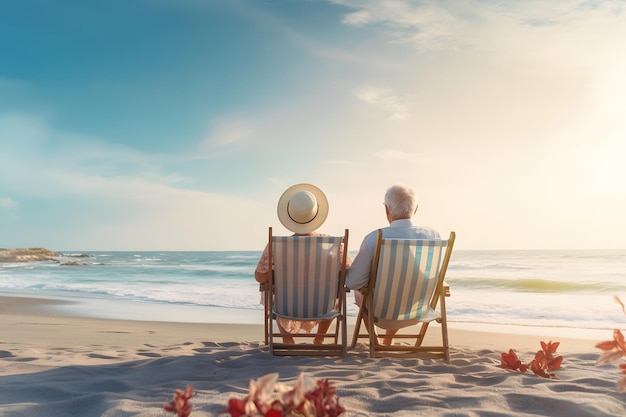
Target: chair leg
x=268, y=317
x=344, y=328
x=271, y=337
x=372, y=335
x=357, y=328
x=422, y=333
x=444, y=329
x=344, y=335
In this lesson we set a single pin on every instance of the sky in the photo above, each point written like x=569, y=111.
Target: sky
x=177, y=124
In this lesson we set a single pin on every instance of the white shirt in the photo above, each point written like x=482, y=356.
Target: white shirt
x=358, y=275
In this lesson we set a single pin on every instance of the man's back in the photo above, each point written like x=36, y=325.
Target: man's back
x=358, y=274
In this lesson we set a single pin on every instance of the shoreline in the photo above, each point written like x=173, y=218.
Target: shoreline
x=27, y=318
x=116, y=309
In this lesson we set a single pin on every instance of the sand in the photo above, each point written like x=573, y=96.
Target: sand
x=56, y=364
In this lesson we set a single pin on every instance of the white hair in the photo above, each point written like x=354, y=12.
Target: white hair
x=401, y=202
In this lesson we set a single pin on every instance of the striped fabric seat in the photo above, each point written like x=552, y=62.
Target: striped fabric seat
x=306, y=276
x=406, y=290
x=406, y=279
x=307, y=285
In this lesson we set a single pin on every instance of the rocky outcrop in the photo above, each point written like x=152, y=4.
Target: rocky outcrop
x=27, y=255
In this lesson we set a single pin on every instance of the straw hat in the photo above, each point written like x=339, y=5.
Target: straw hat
x=302, y=208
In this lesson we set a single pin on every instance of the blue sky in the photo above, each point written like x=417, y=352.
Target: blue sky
x=176, y=125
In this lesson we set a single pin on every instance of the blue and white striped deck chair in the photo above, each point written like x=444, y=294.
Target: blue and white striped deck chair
x=406, y=285
x=308, y=284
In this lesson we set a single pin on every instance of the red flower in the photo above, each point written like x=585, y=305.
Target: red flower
x=613, y=349
x=308, y=398
x=324, y=399
x=180, y=402
x=511, y=361
x=545, y=361
x=236, y=408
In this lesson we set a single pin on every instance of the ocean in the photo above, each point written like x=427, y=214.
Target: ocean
x=563, y=290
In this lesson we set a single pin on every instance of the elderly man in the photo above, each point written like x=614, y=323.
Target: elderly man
x=400, y=206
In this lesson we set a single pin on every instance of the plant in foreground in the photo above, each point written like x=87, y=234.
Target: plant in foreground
x=180, y=402
x=614, y=350
x=543, y=365
x=308, y=398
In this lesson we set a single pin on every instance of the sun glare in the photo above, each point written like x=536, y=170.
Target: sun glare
x=605, y=171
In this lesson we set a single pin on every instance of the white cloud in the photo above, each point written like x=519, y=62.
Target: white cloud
x=113, y=196
x=153, y=216
x=494, y=27
x=7, y=203
x=393, y=105
x=395, y=154
x=358, y=18
x=42, y=161
x=430, y=25
x=229, y=132
x=312, y=45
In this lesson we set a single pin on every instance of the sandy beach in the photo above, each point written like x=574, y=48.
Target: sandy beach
x=67, y=365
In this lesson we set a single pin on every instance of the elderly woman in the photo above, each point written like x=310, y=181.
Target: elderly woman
x=302, y=208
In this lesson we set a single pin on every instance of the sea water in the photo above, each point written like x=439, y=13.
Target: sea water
x=524, y=289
